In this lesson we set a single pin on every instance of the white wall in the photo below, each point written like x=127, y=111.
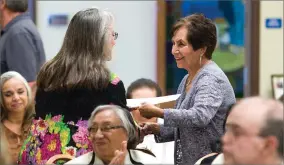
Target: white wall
x=134, y=55
x=271, y=46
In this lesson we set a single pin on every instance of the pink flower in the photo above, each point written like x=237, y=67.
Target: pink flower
x=57, y=118
x=82, y=134
x=51, y=146
x=24, y=158
x=80, y=137
x=83, y=130
x=39, y=127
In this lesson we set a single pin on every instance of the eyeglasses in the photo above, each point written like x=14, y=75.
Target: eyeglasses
x=108, y=128
x=115, y=35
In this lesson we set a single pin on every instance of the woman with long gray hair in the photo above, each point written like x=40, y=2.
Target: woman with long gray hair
x=74, y=82
x=113, y=131
x=77, y=80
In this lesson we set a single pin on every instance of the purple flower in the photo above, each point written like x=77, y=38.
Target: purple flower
x=82, y=123
x=81, y=151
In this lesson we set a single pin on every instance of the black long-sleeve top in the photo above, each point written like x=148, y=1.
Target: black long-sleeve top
x=78, y=103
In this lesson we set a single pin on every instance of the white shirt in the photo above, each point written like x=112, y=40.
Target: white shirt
x=164, y=151
x=219, y=159
x=137, y=156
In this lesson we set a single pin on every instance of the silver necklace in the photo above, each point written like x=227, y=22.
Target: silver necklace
x=188, y=83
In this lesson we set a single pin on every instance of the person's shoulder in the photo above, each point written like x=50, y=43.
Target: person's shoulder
x=140, y=156
x=19, y=28
x=83, y=159
x=114, y=79
x=213, y=71
x=206, y=78
x=24, y=27
x=212, y=74
x=24, y=24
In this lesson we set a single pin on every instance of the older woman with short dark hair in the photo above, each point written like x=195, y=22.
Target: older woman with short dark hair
x=206, y=93
x=110, y=127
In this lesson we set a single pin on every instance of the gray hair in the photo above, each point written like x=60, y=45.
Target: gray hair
x=17, y=5
x=81, y=61
x=7, y=76
x=121, y=114
x=107, y=20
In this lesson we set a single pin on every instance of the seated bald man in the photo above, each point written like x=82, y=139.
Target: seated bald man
x=254, y=133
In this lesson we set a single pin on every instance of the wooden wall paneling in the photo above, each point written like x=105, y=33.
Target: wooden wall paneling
x=161, y=45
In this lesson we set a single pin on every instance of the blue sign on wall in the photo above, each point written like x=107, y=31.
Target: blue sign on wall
x=58, y=20
x=273, y=23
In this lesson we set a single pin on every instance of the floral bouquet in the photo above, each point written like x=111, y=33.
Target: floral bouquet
x=52, y=136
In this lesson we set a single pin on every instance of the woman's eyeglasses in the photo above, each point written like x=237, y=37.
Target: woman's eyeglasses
x=108, y=128
x=115, y=35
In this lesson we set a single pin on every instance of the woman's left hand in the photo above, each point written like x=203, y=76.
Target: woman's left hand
x=149, y=110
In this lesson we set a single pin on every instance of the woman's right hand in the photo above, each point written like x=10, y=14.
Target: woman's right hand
x=120, y=155
x=150, y=128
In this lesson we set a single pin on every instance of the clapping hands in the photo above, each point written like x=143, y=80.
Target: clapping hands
x=120, y=155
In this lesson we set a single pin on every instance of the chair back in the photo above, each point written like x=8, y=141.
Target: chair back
x=63, y=157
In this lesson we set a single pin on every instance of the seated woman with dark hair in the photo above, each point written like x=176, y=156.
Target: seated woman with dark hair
x=111, y=128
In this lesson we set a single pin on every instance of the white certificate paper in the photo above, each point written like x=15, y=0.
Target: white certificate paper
x=133, y=103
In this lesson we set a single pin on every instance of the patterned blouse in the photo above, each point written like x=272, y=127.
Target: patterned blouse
x=61, y=121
